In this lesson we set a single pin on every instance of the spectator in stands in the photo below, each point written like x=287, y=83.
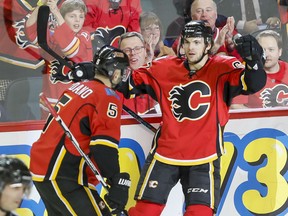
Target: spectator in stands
x=175, y=27
x=206, y=10
x=15, y=182
x=283, y=14
x=66, y=38
x=151, y=29
x=274, y=92
x=251, y=15
x=183, y=8
x=106, y=20
x=283, y=10
x=133, y=44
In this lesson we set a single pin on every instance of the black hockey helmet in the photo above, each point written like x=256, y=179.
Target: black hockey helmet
x=13, y=171
x=197, y=28
x=107, y=60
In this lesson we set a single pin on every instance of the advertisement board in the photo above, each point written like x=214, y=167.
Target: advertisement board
x=254, y=167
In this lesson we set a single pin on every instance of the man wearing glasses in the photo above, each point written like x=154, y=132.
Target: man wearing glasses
x=132, y=43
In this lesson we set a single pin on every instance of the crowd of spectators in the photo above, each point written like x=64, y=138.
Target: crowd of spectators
x=105, y=21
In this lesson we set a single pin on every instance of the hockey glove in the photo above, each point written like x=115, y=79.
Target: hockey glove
x=251, y=51
x=81, y=71
x=117, y=196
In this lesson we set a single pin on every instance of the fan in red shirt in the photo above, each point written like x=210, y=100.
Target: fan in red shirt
x=194, y=96
x=66, y=38
x=275, y=92
x=106, y=20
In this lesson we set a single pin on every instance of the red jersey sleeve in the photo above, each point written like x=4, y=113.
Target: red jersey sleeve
x=73, y=45
x=135, y=11
x=92, y=17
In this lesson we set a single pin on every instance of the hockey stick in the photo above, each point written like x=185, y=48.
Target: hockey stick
x=76, y=145
x=42, y=23
x=139, y=119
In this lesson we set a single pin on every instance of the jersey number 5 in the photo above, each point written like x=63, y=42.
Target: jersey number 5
x=112, y=110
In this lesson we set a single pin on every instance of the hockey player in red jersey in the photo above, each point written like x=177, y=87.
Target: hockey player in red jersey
x=92, y=111
x=194, y=95
x=66, y=37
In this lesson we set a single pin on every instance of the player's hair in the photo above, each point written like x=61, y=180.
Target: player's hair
x=198, y=28
x=129, y=35
x=13, y=171
x=271, y=33
x=71, y=5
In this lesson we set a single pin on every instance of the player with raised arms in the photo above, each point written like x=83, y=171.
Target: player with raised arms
x=194, y=94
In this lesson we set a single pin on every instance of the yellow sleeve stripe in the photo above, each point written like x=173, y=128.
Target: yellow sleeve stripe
x=72, y=49
x=103, y=142
x=243, y=83
x=38, y=178
x=73, y=54
x=71, y=45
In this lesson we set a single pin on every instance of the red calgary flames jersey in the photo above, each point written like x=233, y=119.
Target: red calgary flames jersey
x=92, y=112
x=274, y=93
x=194, y=105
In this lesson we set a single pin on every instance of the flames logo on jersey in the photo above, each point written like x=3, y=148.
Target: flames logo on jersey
x=276, y=96
x=190, y=101
x=21, y=39
x=57, y=72
x=103, y=36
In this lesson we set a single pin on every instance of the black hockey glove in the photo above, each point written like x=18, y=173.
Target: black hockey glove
x=81, y=71
x=251, y=51
x=117, y=196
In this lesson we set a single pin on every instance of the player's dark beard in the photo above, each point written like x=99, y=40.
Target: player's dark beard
x=194, y=63
x=204, y=53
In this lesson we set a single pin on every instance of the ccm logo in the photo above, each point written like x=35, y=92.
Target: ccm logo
x=153, y=184
x=197, y=190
